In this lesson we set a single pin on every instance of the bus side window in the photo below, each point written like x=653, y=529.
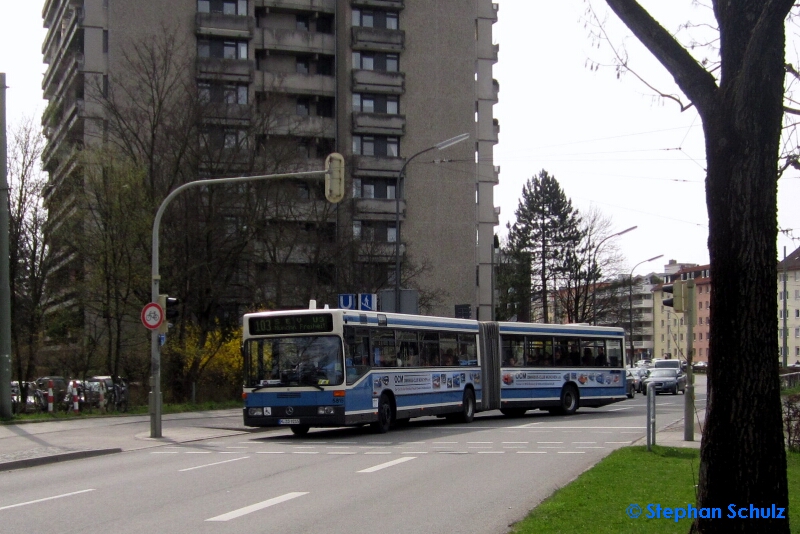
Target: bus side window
x=430, y=349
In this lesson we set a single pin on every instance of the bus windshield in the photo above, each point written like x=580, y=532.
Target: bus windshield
x=294, y=361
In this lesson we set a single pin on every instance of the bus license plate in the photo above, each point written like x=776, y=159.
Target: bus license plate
x=288, y=421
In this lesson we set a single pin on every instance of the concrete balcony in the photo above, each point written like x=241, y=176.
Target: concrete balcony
x=379, y=124
x=488, y=11
x=296, y=84
x=393, y=5
x=372, y=251
x=295, y=41
x=377, y=209
x=489, y=52
x=324, y=6
x=69, y=130
x=373, y=81
x=379, y=167
x=236, y=70
x=489, y=131
x=377, y=39
x=303, y=126
x=224, y=25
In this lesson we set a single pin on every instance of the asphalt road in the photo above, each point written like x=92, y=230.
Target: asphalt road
x=427, y=477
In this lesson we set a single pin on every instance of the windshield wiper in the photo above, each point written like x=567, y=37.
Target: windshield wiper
x=311, y=383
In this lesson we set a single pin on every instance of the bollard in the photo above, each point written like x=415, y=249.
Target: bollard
x=75, y=405
x=651, y=417
x=49, y=396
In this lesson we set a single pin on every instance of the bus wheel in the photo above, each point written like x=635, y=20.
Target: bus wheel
x=468, y=406
x=300, y=430
x=569, y=400
x=384, y=422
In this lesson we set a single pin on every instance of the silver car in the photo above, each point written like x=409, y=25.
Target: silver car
x=665, y=380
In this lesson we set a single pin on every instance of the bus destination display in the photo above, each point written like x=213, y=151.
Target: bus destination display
x=296, y=324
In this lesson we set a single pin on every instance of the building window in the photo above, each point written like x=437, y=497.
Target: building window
x=376, y=61
x=222, y=49
x=375, y=19
x=303, y=107
x=357, y=229
x=301, y=23
x=797, y=332
x=229, y=93
x=224, y=7
x=369, y=103
x=302, y=65
x=326, y=107
x=376, y=145
x=797, y=313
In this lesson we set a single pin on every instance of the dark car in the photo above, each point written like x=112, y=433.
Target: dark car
x=700, y=367
x=630, y=382
x=665, y=380
x=639, y=374
x=59, y=386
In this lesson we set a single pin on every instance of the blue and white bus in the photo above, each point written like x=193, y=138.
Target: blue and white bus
x=329, y=368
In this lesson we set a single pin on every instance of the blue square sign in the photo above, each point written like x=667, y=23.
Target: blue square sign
x=368, y=301
x=348, y=301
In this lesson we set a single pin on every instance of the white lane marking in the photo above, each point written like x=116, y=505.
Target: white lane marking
x=637, y=433
x=215, y=463
x=479, y=447
x=378, y=452
x=445, y=442
x=584, y=442
x=46, y=499
x=164, y=452
x=617, y=442
x=305, y=452
x=258, y=506
x=589, y=447
x=342, y=452
x=387, y=464
x=414, y=452
x=235, y=447
x=198, y=452
x=621, y=409
x=453, y=452
x=515, y=442
x=571, y=452
x=483, y=442
x=491, y=452
x=549, y=442
x=528, y=425
x=531, y=452
x=270, y=452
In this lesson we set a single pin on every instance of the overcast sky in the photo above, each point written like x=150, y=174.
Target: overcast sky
x=608, y=141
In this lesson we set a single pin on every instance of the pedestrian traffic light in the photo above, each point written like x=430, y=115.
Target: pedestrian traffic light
x=334, y=177
x=678, y=300
x=171, y=312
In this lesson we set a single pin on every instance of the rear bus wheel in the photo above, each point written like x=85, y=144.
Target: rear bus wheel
x=569, y=400
x=384, y=422
x=468, y=406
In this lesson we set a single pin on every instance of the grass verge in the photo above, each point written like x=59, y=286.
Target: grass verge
x=596, y=501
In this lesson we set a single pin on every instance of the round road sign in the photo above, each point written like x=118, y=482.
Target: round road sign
x=152, y=315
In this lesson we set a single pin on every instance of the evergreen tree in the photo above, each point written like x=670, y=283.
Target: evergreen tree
x=546, y=230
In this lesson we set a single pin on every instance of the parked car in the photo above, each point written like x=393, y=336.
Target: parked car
x=59, y=386
x=630, y=382
x=639, y=374
x=665, y=380
x=95, y=393
x=700, y=367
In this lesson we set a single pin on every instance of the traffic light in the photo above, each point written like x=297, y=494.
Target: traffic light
x=678, y=300
x=334, y=177
x=171, y=311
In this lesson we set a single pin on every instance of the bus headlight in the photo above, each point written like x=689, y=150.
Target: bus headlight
x=325, y=410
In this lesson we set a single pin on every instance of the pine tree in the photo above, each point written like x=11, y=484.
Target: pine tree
x=547, y=231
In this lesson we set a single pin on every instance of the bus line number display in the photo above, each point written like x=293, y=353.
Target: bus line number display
x=297, y=324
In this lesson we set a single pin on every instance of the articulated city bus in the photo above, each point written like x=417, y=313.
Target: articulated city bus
x=328, y=368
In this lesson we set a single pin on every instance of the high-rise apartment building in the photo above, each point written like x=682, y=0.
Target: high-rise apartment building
x=376, y=80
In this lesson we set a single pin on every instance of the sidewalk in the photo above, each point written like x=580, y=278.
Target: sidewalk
x=30, y=444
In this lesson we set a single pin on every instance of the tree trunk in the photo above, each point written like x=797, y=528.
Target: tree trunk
x=742, y=456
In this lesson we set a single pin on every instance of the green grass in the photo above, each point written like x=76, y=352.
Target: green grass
x=596, y=501
x=133, y=410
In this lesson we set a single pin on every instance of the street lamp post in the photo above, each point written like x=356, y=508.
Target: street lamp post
x=594, y=268
x=630, y=303
x=438, y=146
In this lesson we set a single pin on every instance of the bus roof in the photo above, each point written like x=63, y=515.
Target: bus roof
x=559, y=329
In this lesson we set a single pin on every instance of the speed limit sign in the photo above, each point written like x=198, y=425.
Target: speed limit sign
x=152, y=315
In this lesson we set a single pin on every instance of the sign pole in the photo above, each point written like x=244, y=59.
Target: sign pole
x=334, y=191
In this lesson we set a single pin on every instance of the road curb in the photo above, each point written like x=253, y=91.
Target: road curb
x=62, y=457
